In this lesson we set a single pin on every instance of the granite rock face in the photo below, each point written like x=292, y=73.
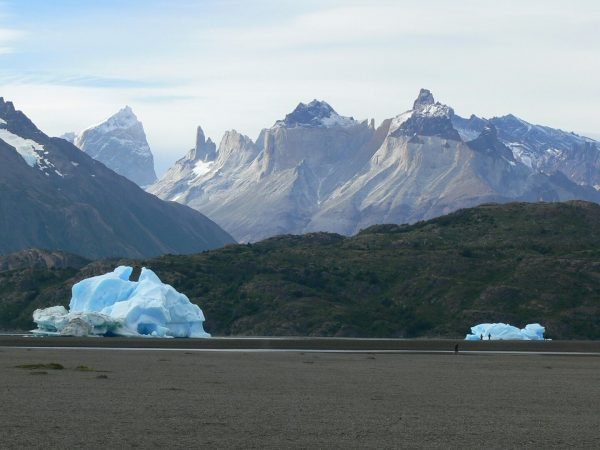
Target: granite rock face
x=316, y=170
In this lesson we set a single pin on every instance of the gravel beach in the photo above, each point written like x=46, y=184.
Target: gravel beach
x=111, y=398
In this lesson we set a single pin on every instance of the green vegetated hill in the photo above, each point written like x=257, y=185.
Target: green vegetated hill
x=517, y=263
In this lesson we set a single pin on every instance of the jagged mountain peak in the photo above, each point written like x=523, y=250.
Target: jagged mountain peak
x=6, y=106
x=233, y=138
x=120, y=143
x=124, y=118
x=12, y=118
x=18, y=132
x=425, y=105
x=235, y=148
x=424, y=98
x=205, y=149
x=427, y=118
x=316, y=114
x=489, y=143
x=317, y=105
x=200, y=137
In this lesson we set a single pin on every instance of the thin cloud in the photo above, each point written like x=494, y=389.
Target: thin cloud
x=391, y=23
x=90, y=81
x=8, y=37
x=166, y=98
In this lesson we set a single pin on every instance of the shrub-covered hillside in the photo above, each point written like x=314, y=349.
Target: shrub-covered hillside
x=516, y=263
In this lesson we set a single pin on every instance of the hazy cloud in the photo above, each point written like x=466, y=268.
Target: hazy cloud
x=8, y=37
x=48, y=78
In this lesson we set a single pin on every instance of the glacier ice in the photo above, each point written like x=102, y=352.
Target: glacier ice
x=111, y=304
x=503, y=331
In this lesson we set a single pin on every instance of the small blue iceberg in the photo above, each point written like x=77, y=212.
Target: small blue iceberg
x=505, y=332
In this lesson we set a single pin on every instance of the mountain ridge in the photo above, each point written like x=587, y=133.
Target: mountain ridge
x=302, y=175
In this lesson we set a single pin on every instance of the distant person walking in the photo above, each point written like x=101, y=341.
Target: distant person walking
x=481, y=336
x=489, y=336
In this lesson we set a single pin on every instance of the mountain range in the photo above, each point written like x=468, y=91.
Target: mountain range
x=316, y=170
x=54, y=196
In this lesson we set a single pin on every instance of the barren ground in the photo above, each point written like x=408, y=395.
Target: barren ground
x=245, y=399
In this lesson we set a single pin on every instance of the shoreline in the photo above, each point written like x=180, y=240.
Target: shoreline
x=302, y=343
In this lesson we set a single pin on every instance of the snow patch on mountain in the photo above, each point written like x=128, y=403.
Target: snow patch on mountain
x=399, y=120
x=337, y=120
x=520, y=153
x=30, y=151
x=315, y=114
x=434, y=110
x=203, y=167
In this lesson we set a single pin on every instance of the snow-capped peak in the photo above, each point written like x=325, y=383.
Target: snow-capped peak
x=424, y=107
x=120, y=143
x=317, y=114
x=424, y=99
x=124, y=119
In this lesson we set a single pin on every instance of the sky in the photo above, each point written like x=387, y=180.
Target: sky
x=243, y=64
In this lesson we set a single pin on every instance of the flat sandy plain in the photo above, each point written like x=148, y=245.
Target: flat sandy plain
x=380, y=394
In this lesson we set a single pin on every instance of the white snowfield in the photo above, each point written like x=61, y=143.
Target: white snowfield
x=203, y=167
x=335, y=120
x=110, y=304
x=28, y=149
x=505, y=332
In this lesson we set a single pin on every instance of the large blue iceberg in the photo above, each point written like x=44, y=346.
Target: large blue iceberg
x=503, y=331
x=111, y=304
